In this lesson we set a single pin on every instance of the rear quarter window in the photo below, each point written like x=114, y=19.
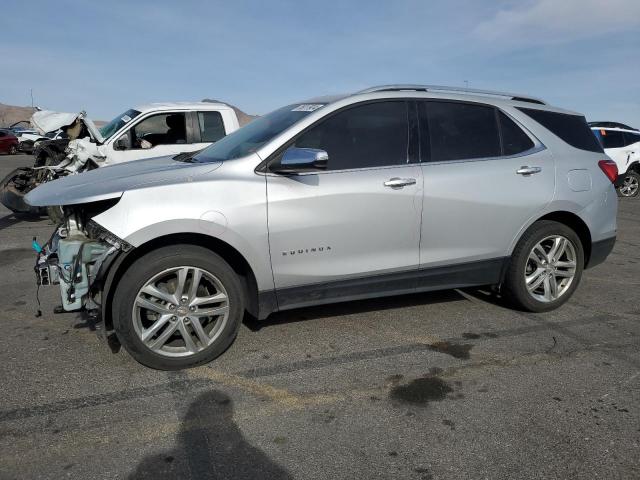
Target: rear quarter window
x=514, y=140
x=573, y=129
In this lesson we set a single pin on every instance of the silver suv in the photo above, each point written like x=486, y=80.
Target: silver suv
x=391, y=190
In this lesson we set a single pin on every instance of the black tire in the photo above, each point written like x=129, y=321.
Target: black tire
x=633, y=175
x=514, y=285
x=13, y=150
x=54, y=212
x=147, y=267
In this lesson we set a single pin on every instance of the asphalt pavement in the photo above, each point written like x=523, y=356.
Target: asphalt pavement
x=445, y=385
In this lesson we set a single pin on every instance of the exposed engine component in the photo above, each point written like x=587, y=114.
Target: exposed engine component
x=74, y=258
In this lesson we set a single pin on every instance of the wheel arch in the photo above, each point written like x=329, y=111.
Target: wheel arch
x=231, y=255
x=572, y=221
x=635, y=166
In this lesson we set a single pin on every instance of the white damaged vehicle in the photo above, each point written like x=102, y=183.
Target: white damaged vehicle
x=147, y=131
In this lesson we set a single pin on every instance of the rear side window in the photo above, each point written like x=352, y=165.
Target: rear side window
x=611, y=138
x=573, y=129
x=458, y=131
x=365, y=136
x=631, y=138
x=514, y=140
x=211, y=126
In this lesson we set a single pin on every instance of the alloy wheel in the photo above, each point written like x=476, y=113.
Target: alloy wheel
x=550, y=268
x=629, y=187
x=180, y=311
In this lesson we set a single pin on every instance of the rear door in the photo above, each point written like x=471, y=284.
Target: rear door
x=484, y=178
x=358, y=221
x=632, y=147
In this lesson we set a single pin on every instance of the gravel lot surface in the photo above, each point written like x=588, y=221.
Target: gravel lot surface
x=429, y=386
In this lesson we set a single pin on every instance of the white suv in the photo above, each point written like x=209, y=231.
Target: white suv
x=622, y=144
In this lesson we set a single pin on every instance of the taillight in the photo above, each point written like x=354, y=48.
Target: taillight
x=609, y=168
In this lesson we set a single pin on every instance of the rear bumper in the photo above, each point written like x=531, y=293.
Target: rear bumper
x=600, y=251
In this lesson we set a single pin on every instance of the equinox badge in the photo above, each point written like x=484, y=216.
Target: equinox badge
x=301, y=251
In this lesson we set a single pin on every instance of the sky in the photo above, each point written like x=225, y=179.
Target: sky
x=104, y=57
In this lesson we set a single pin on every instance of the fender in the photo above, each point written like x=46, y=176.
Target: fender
x=258, y=261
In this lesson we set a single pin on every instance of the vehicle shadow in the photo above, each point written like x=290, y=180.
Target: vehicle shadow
x=354, y=307
x=210, y=445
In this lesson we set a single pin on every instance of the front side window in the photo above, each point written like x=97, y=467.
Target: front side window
x=161, y=129
x=365, y=136
x=458, y=131
x=211, y=126
x=611, y=138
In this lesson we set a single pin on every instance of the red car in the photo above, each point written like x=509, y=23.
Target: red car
x=8, y=142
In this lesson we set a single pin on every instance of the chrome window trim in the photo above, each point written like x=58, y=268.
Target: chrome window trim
x=526, y=153
x=329, y=172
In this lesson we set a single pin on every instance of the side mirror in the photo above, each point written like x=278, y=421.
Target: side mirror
x=296, y=160
x=122, y=143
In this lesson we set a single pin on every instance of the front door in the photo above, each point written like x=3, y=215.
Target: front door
x=343, y=231
x=154, y=136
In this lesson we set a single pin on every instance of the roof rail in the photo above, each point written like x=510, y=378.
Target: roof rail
x=462, y=90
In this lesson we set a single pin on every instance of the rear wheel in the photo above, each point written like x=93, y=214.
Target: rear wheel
x=545, y=268
x=630, y=184
x=13, y=150
x=178, y=307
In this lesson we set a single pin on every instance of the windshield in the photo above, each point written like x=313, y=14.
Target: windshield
x=117, y=123
x=252, y=136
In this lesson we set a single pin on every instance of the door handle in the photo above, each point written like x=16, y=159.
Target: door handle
x=396, y=182
x=526, y=171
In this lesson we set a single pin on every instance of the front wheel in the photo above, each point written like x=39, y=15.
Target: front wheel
x=545, y=267
x=630, y=184
x=178, y=307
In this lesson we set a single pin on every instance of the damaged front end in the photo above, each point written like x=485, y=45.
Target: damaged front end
x=84, y=152
x=78, y=257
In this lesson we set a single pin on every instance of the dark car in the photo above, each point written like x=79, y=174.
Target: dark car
x=8, y=142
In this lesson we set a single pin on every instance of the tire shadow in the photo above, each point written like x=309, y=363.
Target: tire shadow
x=210, y=445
